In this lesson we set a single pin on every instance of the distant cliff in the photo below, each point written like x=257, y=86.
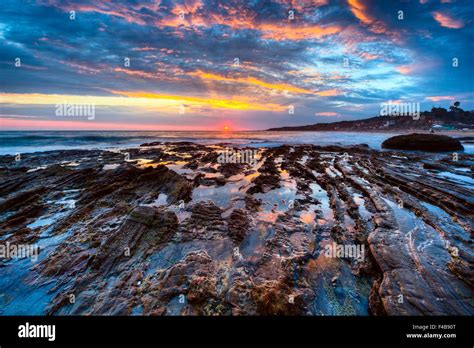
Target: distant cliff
x=455, y=118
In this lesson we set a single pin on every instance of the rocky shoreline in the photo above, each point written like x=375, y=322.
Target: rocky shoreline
x=165, y=229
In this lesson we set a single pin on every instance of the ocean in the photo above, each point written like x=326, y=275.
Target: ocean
x=12, y=142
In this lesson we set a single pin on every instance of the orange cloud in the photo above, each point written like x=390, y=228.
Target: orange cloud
x=239, y=18
x=360, y=11
x=404, y=69
x=177, y=21
x=236, y=16
x=440, y=98
x=188, y=7
x=282, y=32
x=446, y=21
x=329, y=93
x=369, y=56
x=251, y=81
x=327, y=114
x=338, y=77
x=162, y=102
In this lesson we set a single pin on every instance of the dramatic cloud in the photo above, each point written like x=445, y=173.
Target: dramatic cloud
x=446, y=21
x=194, y=64
x=251, y=81
x=361, y=10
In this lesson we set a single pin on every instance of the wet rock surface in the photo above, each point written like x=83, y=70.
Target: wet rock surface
x=166, y=229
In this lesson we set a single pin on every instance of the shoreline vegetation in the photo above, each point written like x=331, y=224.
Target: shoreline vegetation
x=167, y=229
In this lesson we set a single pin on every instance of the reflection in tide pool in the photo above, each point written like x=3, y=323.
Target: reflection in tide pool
x=321, y=195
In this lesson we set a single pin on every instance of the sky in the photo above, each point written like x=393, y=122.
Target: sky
x=246, y=65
